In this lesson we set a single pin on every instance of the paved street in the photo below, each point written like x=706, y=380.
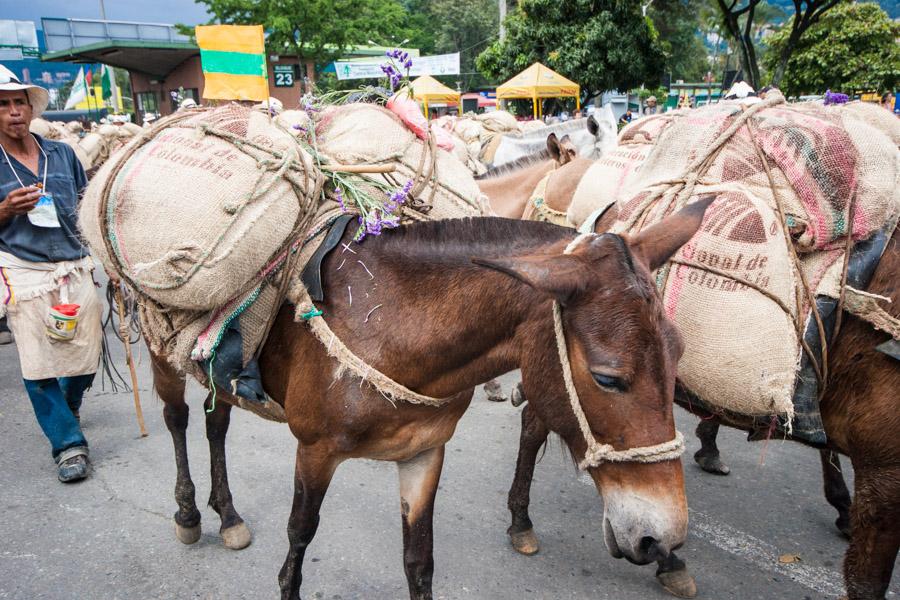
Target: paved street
x=111, y=537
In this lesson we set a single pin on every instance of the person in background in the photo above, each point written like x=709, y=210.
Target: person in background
x=650, y=107
x=626, y=118
x=47, y=288
x=5, y=334
x=887, y=101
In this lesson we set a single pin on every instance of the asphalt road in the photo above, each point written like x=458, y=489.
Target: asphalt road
x=111, y=537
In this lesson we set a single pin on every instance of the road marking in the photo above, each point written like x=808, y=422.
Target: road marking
x=763, y=554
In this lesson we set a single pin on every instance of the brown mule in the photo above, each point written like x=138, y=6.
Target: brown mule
x=859, y=411
x=446, y=324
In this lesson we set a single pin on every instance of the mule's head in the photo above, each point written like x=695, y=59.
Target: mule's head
x=602, y=127
x=561, y=150
x=623, y=353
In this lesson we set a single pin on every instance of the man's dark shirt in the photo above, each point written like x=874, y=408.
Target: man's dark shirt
x=65, y=181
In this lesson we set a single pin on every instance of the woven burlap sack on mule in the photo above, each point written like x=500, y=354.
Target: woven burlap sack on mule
x=370, y=134
x=193, y=216
x=742, y=347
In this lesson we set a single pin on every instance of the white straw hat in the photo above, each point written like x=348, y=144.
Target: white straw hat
x=37, y=96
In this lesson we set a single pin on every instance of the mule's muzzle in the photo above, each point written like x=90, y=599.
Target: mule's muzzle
x=647, y=549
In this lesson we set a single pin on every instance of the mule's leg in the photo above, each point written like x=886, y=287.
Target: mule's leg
x=312, y=475
x=672, y=573
x=521, y=530
x=875, y=539
x=170, y=387
x=708, y=454
x=419, y=479
x=235, y=533
x=836, y=491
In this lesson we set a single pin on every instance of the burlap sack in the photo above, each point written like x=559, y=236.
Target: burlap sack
x=370, y=134
x=194, y=216
x=498, y=121
x=83, y=156
x=874, y=116
x=740, y=304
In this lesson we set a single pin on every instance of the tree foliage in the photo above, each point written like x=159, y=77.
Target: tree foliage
x=464, y=26
x=677, y=22
x=601, y=44
x=851, y=48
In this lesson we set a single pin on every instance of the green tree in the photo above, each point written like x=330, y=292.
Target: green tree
x=853, y=47
x=464, y=26
x=678, y=22
x=316, y=31
x=601, y=44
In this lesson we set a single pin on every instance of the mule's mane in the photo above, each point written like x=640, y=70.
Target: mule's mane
x=523, y=162
x=457, y=240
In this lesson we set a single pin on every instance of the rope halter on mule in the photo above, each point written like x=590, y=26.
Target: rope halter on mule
x=598, y=453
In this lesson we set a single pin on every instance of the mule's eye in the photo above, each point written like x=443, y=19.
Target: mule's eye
x=609, y=383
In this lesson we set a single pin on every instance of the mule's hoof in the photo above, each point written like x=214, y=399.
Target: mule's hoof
x=525, y=542
x=237, y=537
x=678, y=583
x=712, y=464
x=843, y=525
x=516, y=397
x=187, y=535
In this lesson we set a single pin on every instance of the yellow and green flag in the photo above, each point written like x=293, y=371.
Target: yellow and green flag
x=234, y=62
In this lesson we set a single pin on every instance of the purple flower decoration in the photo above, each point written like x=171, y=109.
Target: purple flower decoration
x=299, y=127
x=835, y=98
x=339, y=196
x=398, y=197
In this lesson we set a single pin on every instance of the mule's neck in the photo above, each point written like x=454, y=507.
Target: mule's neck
x=509, y=192
x=413, y=304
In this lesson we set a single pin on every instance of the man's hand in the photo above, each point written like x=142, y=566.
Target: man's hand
x=19, y=202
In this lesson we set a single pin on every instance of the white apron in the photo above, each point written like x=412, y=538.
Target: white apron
x=27, y=291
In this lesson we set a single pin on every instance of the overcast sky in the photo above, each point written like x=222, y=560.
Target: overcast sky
x=151, y=11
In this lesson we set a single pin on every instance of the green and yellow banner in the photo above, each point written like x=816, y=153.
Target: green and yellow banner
x=234, y=62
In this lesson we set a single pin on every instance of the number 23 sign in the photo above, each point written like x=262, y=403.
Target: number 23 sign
x=284, y=75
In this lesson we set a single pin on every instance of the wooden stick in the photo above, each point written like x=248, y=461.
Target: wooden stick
x=360, y=168
x=123, y=331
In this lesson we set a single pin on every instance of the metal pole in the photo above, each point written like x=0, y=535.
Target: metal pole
x=502, y=6
x=102, y=11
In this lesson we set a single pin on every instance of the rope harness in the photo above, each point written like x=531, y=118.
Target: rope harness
x=598, y=453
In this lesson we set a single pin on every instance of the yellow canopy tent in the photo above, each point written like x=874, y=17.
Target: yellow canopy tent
x=538, y=81
x=428, y=89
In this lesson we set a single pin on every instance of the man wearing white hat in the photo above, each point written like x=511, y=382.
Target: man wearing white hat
x=46, y=284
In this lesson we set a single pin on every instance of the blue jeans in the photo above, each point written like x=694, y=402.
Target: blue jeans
x=54, y=402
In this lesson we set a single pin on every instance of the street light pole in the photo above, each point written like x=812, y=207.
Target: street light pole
x=102, y=11
x=502, y=6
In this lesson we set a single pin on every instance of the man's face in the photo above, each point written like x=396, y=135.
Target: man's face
x=15, y=114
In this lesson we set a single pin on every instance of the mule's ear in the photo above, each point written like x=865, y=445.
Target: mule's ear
x=656, y=244
x=553, y=146
x=555, y=275
x=592, y=125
